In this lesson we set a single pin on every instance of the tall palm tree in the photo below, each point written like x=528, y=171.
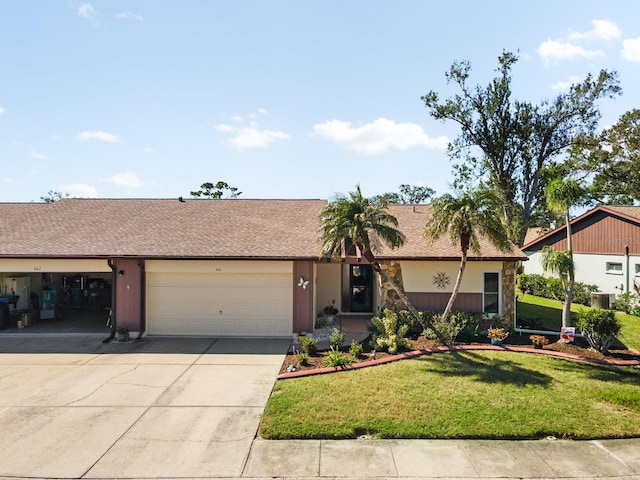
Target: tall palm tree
x=466, y=218
x=560, y=196
x=354, y=220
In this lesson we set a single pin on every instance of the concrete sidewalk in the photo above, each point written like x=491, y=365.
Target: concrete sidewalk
x=450, y=459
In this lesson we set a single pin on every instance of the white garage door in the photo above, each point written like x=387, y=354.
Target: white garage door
x=219, y=298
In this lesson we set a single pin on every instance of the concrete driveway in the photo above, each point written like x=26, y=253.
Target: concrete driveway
x=162, y=407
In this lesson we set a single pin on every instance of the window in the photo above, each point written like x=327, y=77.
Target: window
x=637, y=269
x=491, y=293
x=614, y=268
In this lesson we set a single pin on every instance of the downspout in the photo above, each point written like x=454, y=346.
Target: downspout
x=627, y=274
x=143, y=290
x=113, y=302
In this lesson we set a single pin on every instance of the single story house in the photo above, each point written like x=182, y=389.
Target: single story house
x=230, y=267
x=606, y=248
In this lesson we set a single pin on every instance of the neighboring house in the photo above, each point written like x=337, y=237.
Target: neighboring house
x=606, y=248
x=230, y=267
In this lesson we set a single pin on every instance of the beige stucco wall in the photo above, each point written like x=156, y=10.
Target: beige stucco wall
x=218, y=266
x=48, y=265
x=418, y=275
x=328, y=283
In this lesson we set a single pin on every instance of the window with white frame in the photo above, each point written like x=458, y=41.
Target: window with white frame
x=614, y=268
x=491, y=292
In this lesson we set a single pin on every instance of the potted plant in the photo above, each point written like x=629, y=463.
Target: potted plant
x=327, y=315
x=538, y=341
x=123, y=334
x=497, y=335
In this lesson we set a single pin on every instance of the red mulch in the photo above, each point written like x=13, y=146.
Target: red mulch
x=579, y=348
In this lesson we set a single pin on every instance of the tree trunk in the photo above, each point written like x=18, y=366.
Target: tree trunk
x=566, y=309
x=456, y=287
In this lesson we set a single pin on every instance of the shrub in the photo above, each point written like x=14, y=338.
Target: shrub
x=626, y=301
x=390, y=336
x=356, y=349
x=336, y=339
x=445, y=331
x=635, y=311
x=554, y=289
x=309, y=345
x=302, y=358
x=582, y=293
x=533, y=284
x=405, y=317
x=335, y=358
x=472, y=327
x=599, y=327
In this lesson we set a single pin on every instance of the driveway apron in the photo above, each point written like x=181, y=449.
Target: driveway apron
x=161, y=407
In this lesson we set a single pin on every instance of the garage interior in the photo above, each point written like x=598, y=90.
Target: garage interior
x=54, y=303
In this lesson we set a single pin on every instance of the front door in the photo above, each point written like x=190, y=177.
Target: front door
x=360, y=288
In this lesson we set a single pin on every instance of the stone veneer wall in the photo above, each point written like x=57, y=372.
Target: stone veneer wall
x=389, y=297
x=509, y=270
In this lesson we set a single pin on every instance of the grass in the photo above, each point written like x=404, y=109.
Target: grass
x=547, y=312
x=490, y=394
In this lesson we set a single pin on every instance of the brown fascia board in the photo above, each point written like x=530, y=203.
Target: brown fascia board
x=563, y=228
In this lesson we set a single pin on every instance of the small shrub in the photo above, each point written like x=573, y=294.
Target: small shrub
x=554, y=289
x=335, y=358
x=497, y=334
x=599, y=327
x=415, y=327
x=445, y=331
x=472, y=327
x=582, y=293
x=389, y=336
x=533, y=284
x=336, y=339
x=309, y=345
x=302, y=358
x=625, y=302
x=356, y=349
x=635, y=311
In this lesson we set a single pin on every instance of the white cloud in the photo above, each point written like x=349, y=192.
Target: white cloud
x=146, y=150
x=129, y=15
x=128, y=179
x=552, y=50
x=602, y=30
x=378, y=137
x=244, y=138
x=565, y=84
x=263, y=111
x=78, y=190
x=631, y=49
x=98, y=135
x=86, y=11
x=236, y=118
x=38, y=156
x=2, y=110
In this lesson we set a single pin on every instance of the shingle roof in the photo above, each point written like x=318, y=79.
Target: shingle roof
x=412, y=220
x=195, y=228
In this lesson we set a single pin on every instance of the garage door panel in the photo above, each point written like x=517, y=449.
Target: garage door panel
x=258, y=304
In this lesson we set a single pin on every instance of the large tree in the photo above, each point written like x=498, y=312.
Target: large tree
x=353, y=220
x=612, y=159
x=464, y=219
x=509, y=144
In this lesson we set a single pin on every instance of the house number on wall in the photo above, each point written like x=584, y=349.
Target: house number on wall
x=441, y=280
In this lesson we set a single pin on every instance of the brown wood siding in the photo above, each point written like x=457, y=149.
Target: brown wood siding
x=302, y=298
x=600, y=233
x=129, y=291
x=436, y=302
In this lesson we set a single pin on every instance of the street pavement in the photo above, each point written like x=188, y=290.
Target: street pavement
x=190, y=408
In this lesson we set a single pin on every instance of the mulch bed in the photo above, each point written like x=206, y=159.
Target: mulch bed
x=579, y=348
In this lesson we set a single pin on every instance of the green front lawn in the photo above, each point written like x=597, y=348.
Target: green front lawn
x=475, y=394
x=548, y=313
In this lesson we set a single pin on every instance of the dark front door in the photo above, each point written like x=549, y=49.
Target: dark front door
x=361, y=288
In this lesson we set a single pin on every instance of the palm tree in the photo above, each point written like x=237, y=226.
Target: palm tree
x=353, y=220
x=464, y=219
x=560, y=196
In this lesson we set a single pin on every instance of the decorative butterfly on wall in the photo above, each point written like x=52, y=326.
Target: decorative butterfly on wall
x=303, y=283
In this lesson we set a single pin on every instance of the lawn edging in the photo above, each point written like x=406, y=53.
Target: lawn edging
x=454, y=348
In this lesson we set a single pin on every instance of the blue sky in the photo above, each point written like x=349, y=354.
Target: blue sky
x=281, y=99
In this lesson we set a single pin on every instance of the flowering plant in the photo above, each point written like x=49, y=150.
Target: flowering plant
x=538, y=340
x=497, y=333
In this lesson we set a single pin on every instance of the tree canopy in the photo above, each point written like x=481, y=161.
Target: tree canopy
x=218, y=190
x=511, y=145
x=408, y=195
